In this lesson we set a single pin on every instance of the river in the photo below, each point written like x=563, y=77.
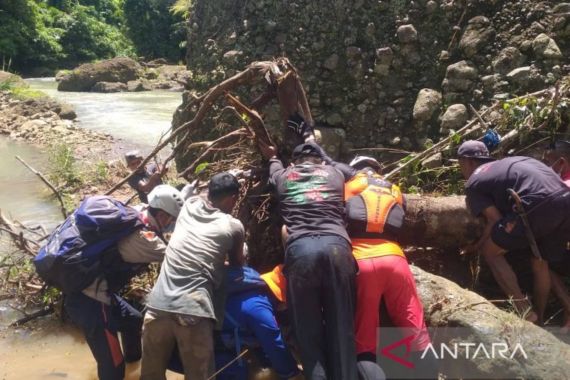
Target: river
x=134, y=119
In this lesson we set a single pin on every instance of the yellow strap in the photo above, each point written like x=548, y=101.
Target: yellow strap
x=368, y=248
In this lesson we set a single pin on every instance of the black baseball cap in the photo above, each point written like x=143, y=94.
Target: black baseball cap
x=475, y=150
x=222, y=184
x=307, y=149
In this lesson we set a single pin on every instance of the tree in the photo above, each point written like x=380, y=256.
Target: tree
x=155, y=31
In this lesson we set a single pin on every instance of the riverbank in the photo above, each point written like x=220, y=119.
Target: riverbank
x=43, y=121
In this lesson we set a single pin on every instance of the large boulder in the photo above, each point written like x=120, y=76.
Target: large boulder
x=454, y=117
x=461, y=317
x=508, y=59
x=12, y=79
x=109, y=87
x=84, y=77
x=427, y=104
x=459, y=77
x=477, y=35
x=545, y=47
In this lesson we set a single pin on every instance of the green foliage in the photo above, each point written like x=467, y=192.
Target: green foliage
x=155, y=31
x=66, y=33
x=181, y=8
x=101, y=171
x=64, y=171
x=24, y=93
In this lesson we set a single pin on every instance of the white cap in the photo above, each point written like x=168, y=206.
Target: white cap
x=371, y=161
x=167, y=199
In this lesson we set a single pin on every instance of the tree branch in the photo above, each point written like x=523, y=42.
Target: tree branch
x=48, y=183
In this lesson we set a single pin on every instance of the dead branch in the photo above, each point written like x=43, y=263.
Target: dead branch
x=255, y=122
x=48, y=183
x=30, y=317
x=226, y=139
x=256, y=70
x=481, y=121
x=23, y=243
x=439, y=146
x=508, y=139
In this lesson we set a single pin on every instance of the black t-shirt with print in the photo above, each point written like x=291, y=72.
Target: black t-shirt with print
x=311, y=199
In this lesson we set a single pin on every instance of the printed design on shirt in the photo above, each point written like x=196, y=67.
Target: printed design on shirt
x=483, y=168
x=307, y=187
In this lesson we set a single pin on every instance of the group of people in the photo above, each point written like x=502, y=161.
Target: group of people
x=342, y=261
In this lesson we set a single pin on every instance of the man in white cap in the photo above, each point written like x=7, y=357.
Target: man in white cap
x=546, y=203
x=98, y=310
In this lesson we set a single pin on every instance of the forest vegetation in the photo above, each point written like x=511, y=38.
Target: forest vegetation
x=39, y=36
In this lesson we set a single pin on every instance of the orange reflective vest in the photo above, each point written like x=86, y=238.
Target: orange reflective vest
x=277, y=283
x=379, y=199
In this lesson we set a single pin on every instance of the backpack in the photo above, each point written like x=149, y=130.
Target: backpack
x=375, y=208
x=76, y=252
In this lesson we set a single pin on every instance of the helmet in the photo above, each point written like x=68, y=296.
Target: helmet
x=360, y=161
x=167, y=199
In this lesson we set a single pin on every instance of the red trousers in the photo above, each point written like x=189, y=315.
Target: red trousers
x=388, y=278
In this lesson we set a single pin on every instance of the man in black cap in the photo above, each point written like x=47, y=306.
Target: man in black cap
x=546, y=202
x=146, y=178
x=319, y=265
x=182, y=307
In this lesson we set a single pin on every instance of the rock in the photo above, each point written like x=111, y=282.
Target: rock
x=467, y=317
x=232, y=56
x=454, y=117
x=109, y=87
x=353, y=52
x=138, y=86
x=331, y=62
x=67, y=112
x=459, y=77
x=545, y=47
x=427, y=103
x=12, y=78
x=561, y=8
x=433, y=162
x=519, y=75
x=508, y=59
x=331, y=139
x=489, y=81
x=431, y=6
x=84, y=77
x=407, y=34
x=477, y=35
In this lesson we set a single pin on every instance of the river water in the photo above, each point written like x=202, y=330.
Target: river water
x=134, y=119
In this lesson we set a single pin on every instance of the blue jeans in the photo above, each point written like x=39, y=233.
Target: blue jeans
x=320, y=272
x=101, y=323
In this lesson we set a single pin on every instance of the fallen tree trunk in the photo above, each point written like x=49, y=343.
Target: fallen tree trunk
x=456, y=315
x=442, y=222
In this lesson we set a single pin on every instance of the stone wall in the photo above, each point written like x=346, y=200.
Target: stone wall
x=391, y=73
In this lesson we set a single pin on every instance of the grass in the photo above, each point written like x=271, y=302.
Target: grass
x=24, y=93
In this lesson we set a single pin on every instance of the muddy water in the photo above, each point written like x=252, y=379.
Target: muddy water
x=52, y=351
x=136, y=117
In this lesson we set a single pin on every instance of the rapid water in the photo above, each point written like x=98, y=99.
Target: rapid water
x=138, y=118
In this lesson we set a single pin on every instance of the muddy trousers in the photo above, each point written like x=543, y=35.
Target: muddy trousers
x=100, y=324
x=320, y=273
